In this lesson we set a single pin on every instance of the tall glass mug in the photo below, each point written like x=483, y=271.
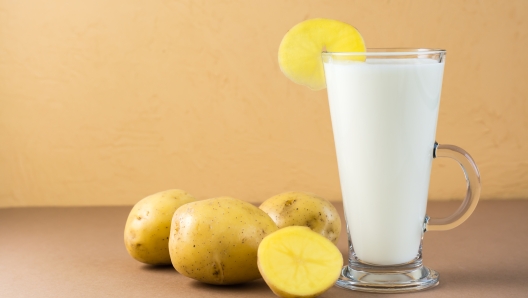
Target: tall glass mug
x=384, y=108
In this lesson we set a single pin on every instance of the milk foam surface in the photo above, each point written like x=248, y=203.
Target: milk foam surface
x=384, y=115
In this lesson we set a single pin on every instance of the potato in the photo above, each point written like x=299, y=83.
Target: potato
x=304, y=209
x=298, y=262
x=148, y=226
x=216, y=240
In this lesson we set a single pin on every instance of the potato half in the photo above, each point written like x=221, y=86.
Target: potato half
x=298, y=262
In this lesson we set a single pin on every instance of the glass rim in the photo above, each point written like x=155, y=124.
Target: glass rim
x=389, y=52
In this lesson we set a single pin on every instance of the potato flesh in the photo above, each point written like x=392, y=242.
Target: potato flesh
x=301, y=47
x=297, y=262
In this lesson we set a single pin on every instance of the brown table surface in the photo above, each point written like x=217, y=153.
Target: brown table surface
x=79, y=252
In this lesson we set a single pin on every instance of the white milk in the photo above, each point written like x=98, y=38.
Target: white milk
x=384, y=115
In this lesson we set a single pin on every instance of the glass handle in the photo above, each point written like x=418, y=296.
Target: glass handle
x=473, y=188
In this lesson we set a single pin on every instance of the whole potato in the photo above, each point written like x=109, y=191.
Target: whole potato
x=216, y=240
x=148, y=226
x=304, y=209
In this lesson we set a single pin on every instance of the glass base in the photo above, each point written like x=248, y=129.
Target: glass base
x=393, y=280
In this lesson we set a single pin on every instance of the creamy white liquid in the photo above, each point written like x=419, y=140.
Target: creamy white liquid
x=384, y=115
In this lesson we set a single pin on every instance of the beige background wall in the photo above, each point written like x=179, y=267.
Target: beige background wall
x=104, y=102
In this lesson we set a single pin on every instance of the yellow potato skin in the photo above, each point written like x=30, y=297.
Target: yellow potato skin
x=304, y=209
x=148, y=226
x=216, y=240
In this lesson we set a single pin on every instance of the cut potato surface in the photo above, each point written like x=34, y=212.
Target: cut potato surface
x=300, y=49
x=297, y=262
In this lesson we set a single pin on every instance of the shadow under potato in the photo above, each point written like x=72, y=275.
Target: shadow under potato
x=167, y=267
x=255, y=285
